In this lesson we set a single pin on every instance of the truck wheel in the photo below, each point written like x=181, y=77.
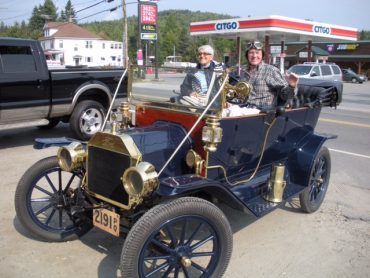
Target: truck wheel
x=87, y=119
x=187, y=237
x=44, y=199
x=313, y=196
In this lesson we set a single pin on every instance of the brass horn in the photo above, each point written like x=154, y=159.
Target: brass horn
x=240, y=91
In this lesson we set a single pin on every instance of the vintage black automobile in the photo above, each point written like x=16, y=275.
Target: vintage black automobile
x=157, y=172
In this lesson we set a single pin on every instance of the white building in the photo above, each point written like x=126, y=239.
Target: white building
x=67, y=44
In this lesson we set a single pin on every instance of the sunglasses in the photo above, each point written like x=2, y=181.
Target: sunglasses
x=256, y=45
x=203, y=53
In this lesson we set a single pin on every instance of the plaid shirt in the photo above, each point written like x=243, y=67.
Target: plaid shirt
x=268, y=83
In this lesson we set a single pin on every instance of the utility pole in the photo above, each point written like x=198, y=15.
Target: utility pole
x=124, y=35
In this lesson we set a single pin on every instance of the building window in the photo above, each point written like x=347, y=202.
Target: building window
x=89, y=59
x=52, y=44
x=102, y=58
x=120, y=46
x=60, y=44
x=88, y=44
x=113, y=58
x=112, y=45
x=103, y=45
x=76, y=47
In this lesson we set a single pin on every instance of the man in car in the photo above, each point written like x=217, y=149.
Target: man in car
x=196, y=83
x=268, y=83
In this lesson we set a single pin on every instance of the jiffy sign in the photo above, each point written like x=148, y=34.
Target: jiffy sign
x=321, y=29
x=233, y=25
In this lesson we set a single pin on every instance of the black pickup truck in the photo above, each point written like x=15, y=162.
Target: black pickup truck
x=31, y=94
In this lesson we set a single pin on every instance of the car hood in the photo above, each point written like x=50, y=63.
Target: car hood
x=158, y=142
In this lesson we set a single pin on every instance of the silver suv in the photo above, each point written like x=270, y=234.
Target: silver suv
x=326, y=71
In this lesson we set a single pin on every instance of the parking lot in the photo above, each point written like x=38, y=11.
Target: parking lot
x=333, y=242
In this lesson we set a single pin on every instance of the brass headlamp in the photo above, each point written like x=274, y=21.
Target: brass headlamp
x=72, y=156
x=212, y=134
x=140, y=180
x=194, y=160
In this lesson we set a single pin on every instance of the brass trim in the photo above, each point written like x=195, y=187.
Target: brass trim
x=276, y=184
x=121, y=144
x=258, y=164
x=109, y=142
x=127, y=207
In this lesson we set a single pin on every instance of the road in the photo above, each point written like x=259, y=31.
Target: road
x=333, y=242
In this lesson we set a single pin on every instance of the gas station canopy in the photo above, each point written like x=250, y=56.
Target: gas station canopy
x=277, y=28
x=272, y=30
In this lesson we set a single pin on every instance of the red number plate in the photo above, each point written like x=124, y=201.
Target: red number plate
x=106, y=220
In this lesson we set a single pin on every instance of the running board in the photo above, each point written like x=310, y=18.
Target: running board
x=257, y=204
x=24, y=124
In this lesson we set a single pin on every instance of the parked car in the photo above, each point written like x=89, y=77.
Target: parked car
x=159, y=169
x=32, y=94
x=350, y=75
x=328, y=71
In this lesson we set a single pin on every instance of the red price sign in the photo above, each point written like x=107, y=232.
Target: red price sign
x=148, y=14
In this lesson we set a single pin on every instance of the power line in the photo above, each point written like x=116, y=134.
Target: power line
x=13, y=17
x=93, y=5
x=107, y=10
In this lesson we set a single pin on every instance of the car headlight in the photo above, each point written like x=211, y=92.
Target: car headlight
x=194, y=160
x=72, y=156
x=140, y=180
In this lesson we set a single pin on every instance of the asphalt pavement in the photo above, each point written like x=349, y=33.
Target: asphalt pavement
x=333, y=242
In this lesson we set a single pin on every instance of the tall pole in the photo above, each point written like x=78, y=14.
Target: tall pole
x=124, y=35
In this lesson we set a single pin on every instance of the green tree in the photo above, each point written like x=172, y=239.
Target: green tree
x=40, y=15
x=364, y=35
x=68, y=12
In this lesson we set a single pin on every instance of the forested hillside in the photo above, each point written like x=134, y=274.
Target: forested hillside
x=173, y=32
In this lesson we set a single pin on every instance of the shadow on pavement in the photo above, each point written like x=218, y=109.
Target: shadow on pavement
x=26, y=136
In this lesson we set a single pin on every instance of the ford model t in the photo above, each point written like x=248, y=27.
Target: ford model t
x=158, y=170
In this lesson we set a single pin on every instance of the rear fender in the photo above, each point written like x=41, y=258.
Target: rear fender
x=104, y=92
x=191, y=184
x=300, y=161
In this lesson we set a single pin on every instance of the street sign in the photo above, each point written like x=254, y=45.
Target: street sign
x=148, y=36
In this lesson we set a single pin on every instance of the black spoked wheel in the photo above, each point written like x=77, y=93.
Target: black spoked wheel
x=44, y=202
x=188, y=237
x=312, y=198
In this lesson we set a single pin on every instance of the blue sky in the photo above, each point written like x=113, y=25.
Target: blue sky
x=354, y=13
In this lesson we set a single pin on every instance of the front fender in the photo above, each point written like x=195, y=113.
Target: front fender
x=189, y=184
x=301, y=160
x=43, y=143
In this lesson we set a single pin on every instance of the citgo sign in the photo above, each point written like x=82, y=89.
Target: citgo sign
x=321, y=29
x=227, y=25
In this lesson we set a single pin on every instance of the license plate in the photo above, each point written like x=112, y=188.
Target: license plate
x=106, y=220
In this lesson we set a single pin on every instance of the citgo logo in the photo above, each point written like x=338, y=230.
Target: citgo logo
x=321, y=29
x=227, y=25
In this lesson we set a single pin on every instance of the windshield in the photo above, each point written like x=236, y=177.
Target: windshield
x=188, y=90
x=300, y=70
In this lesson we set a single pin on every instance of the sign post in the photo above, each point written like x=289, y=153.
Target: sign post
x=148, y=16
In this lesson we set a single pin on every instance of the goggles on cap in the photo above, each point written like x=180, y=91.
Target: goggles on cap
x=256, y=44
